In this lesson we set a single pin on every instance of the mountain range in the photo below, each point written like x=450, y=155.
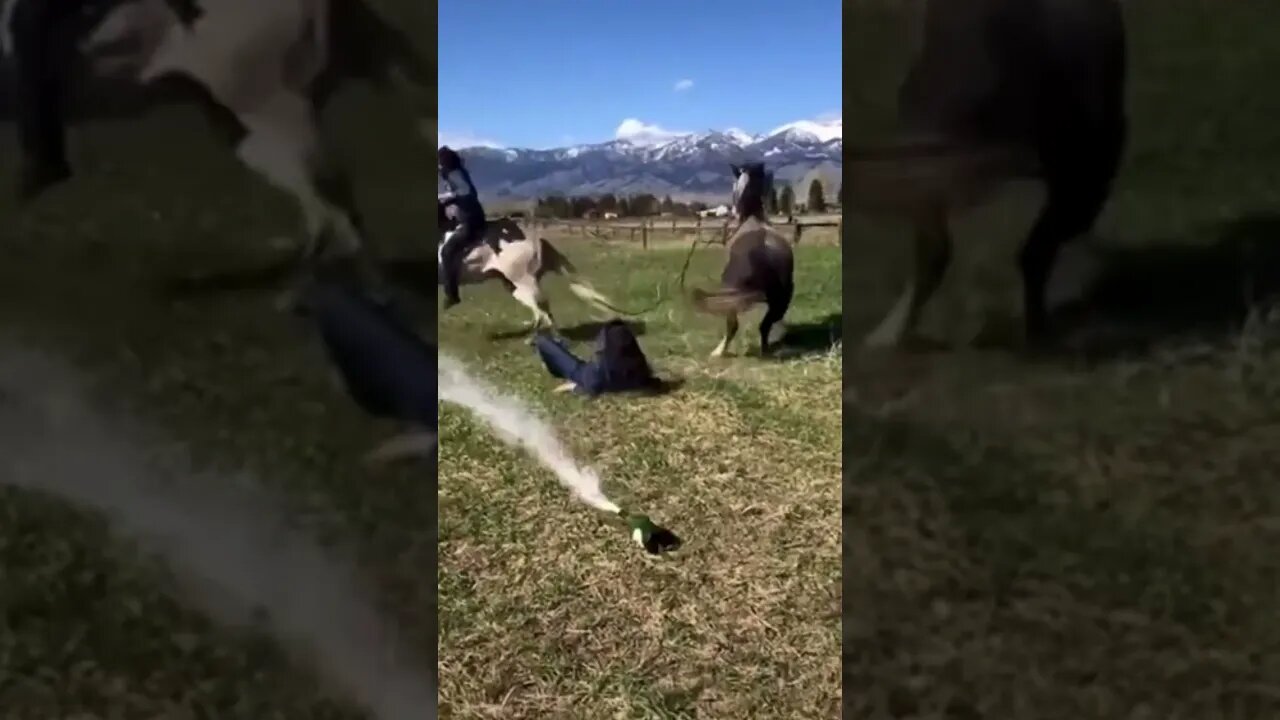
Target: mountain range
x=687, y=167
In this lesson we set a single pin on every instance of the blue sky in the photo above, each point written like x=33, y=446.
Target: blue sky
x=547, y=73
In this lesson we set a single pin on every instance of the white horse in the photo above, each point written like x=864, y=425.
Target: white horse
x=521, y=263
x=272, y=65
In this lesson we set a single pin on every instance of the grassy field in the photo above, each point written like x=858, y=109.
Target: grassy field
x=546, y=611
x=1090, y=535
x=152, y=273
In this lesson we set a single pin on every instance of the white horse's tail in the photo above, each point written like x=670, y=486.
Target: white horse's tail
x=552, y=260
x=593, y=297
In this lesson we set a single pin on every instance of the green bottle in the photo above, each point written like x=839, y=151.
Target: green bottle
x=653, y=538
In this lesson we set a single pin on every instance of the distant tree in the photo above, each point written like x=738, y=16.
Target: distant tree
x=556, y=206
x=817, y=203
x=624, y=207
x=580, y=205
x=607, y=203
x=771, y=202
x=644, y=204
x=787, y=200
x=697, y=206
x=667, y=205
x=840, y=195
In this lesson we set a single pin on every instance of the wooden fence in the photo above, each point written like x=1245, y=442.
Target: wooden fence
x=641, y=230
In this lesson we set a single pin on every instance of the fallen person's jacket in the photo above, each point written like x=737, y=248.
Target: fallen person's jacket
x=618, y=365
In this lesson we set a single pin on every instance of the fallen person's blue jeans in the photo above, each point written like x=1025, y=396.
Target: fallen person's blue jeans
x=565, y=365
x=388, y=370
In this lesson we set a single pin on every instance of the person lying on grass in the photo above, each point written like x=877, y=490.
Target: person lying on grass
x=619, y=364
x=385, y=367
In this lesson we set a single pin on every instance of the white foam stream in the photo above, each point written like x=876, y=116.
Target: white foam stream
x=220, y=536
x=516, y=424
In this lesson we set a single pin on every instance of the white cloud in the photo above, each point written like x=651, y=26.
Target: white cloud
x=831, y=117
x=638, y=132
x=459, y=140
x=683, y=85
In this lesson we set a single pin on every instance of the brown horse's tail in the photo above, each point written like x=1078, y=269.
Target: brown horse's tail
x=725, y=301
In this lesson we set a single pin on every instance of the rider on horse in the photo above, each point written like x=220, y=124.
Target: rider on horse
x=464, y=202
x=42, y=37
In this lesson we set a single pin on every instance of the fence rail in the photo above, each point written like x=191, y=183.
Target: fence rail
x=642, y=229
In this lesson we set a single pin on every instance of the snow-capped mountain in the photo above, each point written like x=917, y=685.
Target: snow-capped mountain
x=689, y=166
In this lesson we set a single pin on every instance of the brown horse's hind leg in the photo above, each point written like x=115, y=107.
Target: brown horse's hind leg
x=932, y=257
x=778, y=305
x=730, y=330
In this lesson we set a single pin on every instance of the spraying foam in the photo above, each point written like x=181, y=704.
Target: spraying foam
x=517, y=425
x=220, y=537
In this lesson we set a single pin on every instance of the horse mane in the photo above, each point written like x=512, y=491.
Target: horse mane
x=750, y=203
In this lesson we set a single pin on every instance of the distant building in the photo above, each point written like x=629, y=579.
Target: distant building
x=611, y=216
x=717, y=211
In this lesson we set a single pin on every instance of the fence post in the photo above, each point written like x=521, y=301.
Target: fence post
x=799, y=229
x=644, y=237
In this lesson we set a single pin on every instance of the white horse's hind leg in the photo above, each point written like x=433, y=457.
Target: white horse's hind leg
x=282, y=161
x=544, y=308
x=932, y=256
x=282, y=145
x=528, y=294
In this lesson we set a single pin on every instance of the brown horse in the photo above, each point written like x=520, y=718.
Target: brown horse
x=760, y=264
x=1001, y=89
